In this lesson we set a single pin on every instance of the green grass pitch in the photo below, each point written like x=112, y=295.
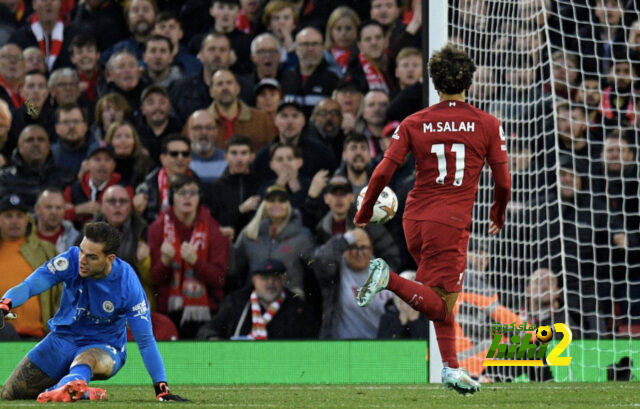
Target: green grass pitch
x=521, y=395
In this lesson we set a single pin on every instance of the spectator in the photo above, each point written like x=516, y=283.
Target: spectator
x=544, y=304
x=311, y=80
x=140, y=15
x=167, y=24
x=349, y=95
x=233, y=199
x=117, y=210
x=275, y=231
x=5, y=126
x=249, y=19
x=234, y=116
x=370, y=71
x=225, y=13
x=21, y=251
x=589, y=95
x=565, y=75
x=281, y=18
x=158, y=54
x=285, y=161
x=326, y=119
x=265, y=55
x=276, y=312
x=617, y=97
x=50, y=223
x=156, y=121
x=124, y=76
x=207, y=161
x=408, y=67
x=400, y=320
x=64, y=85
x=152, y=195
x=8, y=19
x=46, y=27
x=192, y=92
x=133, y=163
x=290, y=122
x=572, y=137
x=38, y=111
x=356, y=162
x=268, y=95
x=33, y=167
x=373, y=119
x=84, y=56
x=11, y=75
x=341, y=266
x=110, y=108
x=102, y=19
x=85, y=195
x=73, y=139
x=189, y=258
x=34, y=60
x=340, y=37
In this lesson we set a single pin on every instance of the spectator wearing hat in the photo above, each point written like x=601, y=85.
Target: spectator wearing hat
x=21, y=251
x=266, y=309
x=268, y=95
x=326, y=121
x=341, y=266
x=340, y=200
x=189, y=258
x=155, y=121
x=207, y=161
x=234, y=198
x=233, y=116
x=74, y=137
x=275, y=231
x=85, y=195
x=290, y=122
x=265, y=55
x=192, y=92
x=349, y=95
x=50, y=223
x=33, y=167
x=312, y=80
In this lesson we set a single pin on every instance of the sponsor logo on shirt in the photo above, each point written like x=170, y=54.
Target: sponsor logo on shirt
x=449, y=126
x=141, y=310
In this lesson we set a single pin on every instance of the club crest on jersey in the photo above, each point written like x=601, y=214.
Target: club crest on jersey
x=107, y=306
x=60, y=263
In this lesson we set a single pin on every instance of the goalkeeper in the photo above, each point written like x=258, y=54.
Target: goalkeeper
x=102, y=293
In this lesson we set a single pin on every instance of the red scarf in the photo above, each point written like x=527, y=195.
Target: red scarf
x=186, y=292
x=50, y=50
x=242, y=23
x=341, y=56
x=91, y=83
x=375, y=77
x=16, y=99
x=260, y=320
x=163, y=189
x=606, y=108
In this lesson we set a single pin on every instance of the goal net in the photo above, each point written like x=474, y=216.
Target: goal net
x=561, y=76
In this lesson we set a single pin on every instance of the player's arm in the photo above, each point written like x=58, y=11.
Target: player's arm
x=139, y=320
x=382, y=174
x=497, y=158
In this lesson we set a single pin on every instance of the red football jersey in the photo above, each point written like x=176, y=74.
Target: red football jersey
x=450, y=142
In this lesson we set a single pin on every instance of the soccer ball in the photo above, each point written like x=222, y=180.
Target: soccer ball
x=544, y=333
x=385, y=207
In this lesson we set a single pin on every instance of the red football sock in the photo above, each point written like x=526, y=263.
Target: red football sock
x=446, y=334
x=418, y=296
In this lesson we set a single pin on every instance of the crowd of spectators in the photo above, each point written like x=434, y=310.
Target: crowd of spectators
x=228, y=139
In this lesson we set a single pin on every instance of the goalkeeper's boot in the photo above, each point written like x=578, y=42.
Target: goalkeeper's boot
x=459, y=380
x=376, y=282
x=69, y=392
x=95, y=394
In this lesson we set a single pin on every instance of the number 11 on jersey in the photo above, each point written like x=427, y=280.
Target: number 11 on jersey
x=458, y=149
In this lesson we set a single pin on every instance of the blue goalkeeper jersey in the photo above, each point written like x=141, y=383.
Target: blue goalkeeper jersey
x=96, y=310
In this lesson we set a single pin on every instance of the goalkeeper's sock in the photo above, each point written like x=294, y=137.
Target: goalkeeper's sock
x=78, y=372
x=419, y=297
x=446, y=335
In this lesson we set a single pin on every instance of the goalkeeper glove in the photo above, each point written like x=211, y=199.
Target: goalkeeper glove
x=163, y=394
x=5, y=308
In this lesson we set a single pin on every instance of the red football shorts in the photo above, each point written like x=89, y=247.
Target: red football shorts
x=440, y=251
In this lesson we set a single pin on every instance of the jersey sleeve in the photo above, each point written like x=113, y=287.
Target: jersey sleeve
x=497, y=152
x=139, y=320
x=44, y=277
x=400, y=144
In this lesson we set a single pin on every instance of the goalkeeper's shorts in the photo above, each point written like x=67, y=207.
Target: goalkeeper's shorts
x=55, y=353
x=440, y=251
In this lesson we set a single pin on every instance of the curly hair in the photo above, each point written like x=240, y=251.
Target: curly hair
x=451, y=70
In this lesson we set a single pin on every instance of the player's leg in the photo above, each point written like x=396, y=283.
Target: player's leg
x=26, y=381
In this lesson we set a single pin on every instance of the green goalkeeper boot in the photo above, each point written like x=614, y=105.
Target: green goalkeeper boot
x=376, y=282
x=459, y=380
